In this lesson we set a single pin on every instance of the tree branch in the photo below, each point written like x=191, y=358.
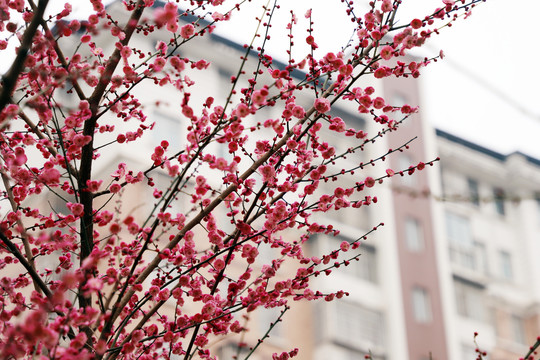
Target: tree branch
x=24, y=235
x=11, y=77
x=85, y=169
x=35, y=276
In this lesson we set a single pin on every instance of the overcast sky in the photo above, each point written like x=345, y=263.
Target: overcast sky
x=485, y=90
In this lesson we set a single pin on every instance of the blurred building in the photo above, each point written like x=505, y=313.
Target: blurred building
x=456, y=256
x=491, y=217
x=458, y=253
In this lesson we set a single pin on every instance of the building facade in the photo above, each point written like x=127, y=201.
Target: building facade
x=457, y=254
x=490, y=211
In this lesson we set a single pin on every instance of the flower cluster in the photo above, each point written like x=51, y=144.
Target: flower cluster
x=125, y=236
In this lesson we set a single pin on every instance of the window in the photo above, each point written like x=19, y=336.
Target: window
x=468, y=352
x=405, y=162
x=470, y=299
x=505, y=260
x=458, y=229
x=166, y=128
x=421, y=305
x=359, y=218
x=364, y=267
x=518, y=330
x=268, y=316
x=460, y=240
x=498, y=198
x=414, y=236
x=342, y=145
x=320, y=323
x=398, y=99
x=474, y=195
x=49, y=262
x=232, y=351
x=184, y=189
x=356, y=355
x=351, y=119
x=267, y=253
x=537, y=199
x=481, y=258
x=357, y=326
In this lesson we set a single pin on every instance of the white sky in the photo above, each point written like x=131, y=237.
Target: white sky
x=486, y=89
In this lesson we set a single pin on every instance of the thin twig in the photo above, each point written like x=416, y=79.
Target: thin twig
x=11, y=77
